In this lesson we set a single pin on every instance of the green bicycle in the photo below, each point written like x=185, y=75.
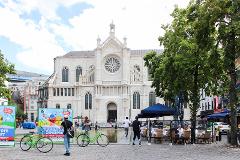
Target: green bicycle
x=84, y=139
x=32, y=140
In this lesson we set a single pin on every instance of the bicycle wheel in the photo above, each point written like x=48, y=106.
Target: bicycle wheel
x=44, y=144
x=26, y=143
x=103, y=140
x=83, y=140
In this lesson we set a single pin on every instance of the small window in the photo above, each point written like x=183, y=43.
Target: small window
x=69, y=91
x=72, y=91
x=69, y=106
x=57, y=106
x=54, y=91
x=57, y=91
x=61, y=91
x=65, y=91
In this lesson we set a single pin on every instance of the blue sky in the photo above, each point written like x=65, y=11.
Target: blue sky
x=36, y=31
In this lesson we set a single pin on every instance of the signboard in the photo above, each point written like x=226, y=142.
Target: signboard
x=7, y=125
x=49, y=122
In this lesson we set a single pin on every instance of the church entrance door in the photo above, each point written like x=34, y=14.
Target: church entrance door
x=112, y=112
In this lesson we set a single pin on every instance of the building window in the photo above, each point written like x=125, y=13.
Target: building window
x=32, y=117
x=65, y=91
x=57, y=106
x=78, y=73
x=69, y=91
x=72, y=91
x=136, y=100
x=61, y=91
x=88, y=101
x=69, y=106
x=65, y=74
x=152, y=98
x=57, y=91
x=54, y=91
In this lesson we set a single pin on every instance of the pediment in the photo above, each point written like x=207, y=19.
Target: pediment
x=112, y=45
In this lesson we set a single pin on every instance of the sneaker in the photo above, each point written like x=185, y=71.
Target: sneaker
x=139, y=143
x=67, y=154
x=133, y=144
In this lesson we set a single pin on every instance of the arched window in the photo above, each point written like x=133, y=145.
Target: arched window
x=152, y=98
x=88, y=101
x=136, y=100
x=78, y=73
x=65, y=74
x=69, y=106
x=57, y=106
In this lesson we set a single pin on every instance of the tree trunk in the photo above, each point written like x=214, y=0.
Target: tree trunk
x=195, y=100
x=231, y=53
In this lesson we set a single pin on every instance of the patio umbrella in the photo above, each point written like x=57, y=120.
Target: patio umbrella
x=157, y=110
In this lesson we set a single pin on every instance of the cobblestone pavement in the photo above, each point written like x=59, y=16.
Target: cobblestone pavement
x=127, y=152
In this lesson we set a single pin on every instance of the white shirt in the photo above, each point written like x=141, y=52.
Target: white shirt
x=126, y=123
x=180, y=131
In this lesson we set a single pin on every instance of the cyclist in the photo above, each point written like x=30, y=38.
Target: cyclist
x=66, y=124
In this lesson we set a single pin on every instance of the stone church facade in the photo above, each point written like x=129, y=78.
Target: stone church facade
x=106, y=84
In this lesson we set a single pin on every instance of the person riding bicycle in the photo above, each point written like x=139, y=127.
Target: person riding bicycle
x=66, y=124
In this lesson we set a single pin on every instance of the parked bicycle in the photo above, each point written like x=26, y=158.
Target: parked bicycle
x=84, y=139
x=32, y=140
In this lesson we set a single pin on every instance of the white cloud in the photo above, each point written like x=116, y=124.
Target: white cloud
x=139, y=21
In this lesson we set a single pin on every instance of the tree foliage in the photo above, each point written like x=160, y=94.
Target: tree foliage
x=199, y=53
x=5, y=68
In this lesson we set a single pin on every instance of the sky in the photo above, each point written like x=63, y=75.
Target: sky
x=34, y=32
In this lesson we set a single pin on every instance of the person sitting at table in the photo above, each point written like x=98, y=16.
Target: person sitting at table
x=179, y=134
x=180, y=131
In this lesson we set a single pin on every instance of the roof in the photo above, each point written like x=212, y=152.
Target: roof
x=91, y=54
x=79, y=54
x=144, y=51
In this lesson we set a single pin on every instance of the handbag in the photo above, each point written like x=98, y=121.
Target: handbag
x=70, y=132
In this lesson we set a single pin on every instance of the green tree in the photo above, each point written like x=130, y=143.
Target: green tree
x=186, y=65
x=224, y=20
x=5, y=68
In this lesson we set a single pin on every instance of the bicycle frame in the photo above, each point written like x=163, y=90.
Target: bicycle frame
x=94, y=138
x=33, y=140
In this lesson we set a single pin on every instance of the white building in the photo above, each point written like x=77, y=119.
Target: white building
x=106, y=84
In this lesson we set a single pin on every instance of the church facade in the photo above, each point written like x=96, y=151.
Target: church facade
x=106, y=84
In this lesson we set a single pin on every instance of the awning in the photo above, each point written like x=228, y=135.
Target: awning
x=157, y=110
x=218, y=115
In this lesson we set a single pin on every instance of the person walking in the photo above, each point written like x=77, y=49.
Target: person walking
x=136, y=130
x=126, y=126
x=66, y=124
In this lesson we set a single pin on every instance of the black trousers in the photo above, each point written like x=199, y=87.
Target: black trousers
x=136, y=134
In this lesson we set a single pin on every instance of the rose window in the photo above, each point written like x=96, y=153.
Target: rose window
x=112, y=64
